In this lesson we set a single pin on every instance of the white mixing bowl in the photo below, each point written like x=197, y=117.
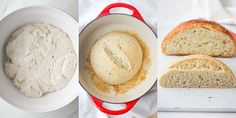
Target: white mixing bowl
x=8, y=91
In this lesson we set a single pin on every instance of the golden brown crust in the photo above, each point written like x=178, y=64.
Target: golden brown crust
x=201, y=56
x=192, y=23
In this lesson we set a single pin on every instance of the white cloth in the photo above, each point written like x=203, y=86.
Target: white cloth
x=69, y=6
x=3, y=7
x=90, y=9
x=222, y=11
x=147, y=105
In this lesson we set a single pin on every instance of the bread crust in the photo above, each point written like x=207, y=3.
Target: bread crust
x=192, y=23
x=201, y=56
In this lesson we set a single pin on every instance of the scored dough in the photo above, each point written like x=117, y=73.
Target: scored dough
x=116, y=57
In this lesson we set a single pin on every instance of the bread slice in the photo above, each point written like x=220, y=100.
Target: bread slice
x=199, y=37
x=198, y=71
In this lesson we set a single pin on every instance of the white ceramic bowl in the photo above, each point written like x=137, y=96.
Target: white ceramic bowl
x=8, y=91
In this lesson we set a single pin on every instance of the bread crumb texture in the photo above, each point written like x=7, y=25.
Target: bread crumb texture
x=198, y=71
x=199, y=39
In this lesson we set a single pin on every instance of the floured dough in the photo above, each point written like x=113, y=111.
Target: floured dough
x=41, y=59
x=116, y=57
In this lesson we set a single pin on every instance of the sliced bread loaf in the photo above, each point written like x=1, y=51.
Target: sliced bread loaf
x=199, y=37
x=198, y=71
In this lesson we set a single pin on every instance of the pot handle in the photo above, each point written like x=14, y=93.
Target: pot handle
x=124, y=5
x=128, y=106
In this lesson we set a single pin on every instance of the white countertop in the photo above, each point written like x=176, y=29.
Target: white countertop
x=70, y=7
x=195, y=115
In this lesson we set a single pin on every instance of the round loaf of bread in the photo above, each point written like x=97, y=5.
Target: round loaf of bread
x=199, y=37
x=116, y=57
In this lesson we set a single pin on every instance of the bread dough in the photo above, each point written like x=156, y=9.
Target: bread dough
x=116, y=57
x=41, y=59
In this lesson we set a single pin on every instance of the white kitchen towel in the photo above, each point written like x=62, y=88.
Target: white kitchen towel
x=3, y=7
x=147, y=105
x=90, y=9
x=222, y=11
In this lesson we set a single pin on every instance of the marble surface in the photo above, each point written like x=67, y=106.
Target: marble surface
x=195, y=115
x=70, y=7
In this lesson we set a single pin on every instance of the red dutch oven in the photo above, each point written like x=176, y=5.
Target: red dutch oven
x=107, y=22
